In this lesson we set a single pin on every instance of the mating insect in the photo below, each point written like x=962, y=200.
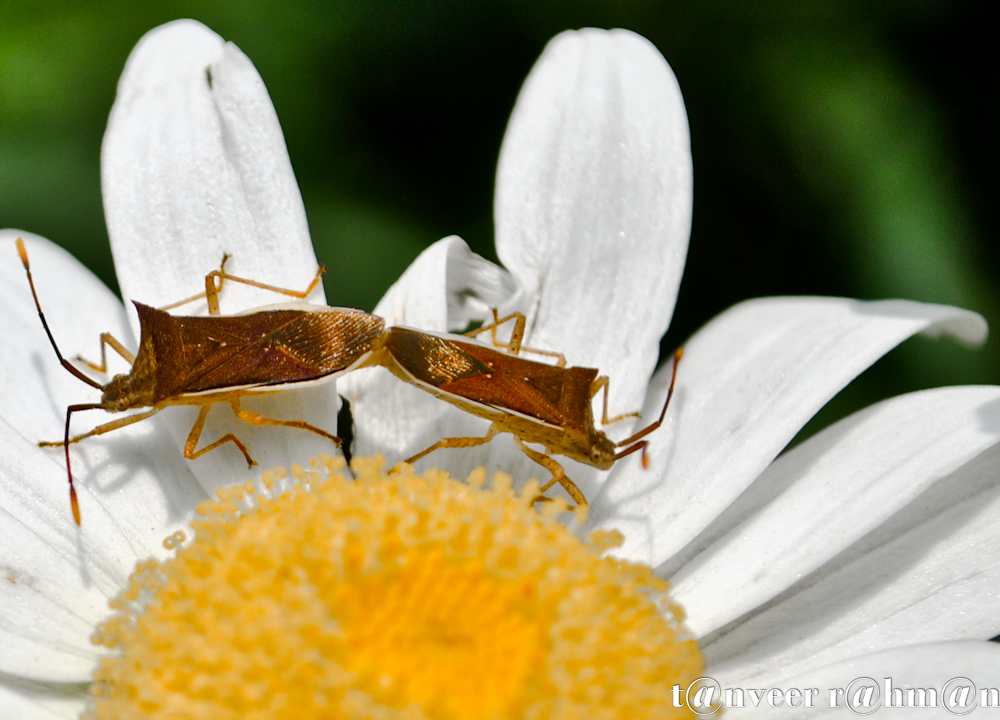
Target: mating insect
x=219, y=359
x=534, y=401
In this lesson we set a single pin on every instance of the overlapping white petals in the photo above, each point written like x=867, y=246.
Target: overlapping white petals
x=831, y=491
x=593, y=212
x=593, y=203
x=133, y=485
x=750, y=380
x=937, y=581
x=194, y=165
x=879, y=532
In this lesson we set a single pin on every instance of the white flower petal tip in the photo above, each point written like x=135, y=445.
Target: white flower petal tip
x=956, y=672
x=194, y=165
x=593, y=202
x=823, y=496
x=967, y=327
x=749, y=381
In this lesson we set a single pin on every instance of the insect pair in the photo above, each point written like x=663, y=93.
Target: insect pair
x=202, y=361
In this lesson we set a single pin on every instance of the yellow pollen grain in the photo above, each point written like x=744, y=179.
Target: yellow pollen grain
x=399, y=596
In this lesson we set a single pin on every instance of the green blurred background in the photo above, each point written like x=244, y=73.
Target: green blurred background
x=840, y=148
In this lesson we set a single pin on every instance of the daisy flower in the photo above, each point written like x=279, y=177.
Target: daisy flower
x=866, y=550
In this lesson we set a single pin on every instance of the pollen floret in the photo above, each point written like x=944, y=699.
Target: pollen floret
x=392, y=596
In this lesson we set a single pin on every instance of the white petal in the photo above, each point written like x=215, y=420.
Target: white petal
x=194, y=165
x=56, y=578
x=931, y=573
x=829, y=492
x=593, y=203
x=944, y=667
x=444, y=288
x=135, y=473
x=78, y=308
x=750, y=379
x=22, y=703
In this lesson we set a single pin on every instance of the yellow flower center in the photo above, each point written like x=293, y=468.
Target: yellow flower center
x=399, y=596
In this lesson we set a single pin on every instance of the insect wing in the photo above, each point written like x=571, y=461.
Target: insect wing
x=431, y=359
x=495, y=378
x=264, y=348
x=328, y=340
x=558, y=396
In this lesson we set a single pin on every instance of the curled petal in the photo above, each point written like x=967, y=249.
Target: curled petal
x=828, y=493
x=445, y=288
x=750, y=379
x=593, y=203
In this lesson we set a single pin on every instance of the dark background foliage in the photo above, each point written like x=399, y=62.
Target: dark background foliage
x=840, y=148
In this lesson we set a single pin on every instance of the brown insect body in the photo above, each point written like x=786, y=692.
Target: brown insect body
x=187, y=360
x=538, y=402
x=205, y=360
x=534, y=401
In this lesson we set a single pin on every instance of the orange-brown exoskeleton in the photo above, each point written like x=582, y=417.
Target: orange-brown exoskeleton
x=219, y=359
x=536, y=402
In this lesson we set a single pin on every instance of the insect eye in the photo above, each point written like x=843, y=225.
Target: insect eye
x=121, y=404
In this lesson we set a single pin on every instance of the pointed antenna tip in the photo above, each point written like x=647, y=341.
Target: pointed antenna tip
x=75, y=505
x=22, y=252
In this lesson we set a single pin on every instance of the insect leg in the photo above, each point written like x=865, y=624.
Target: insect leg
x=643, y=444
x=207, y=293
x=558, y=474
x=215, y=279
x=516, y=335
x=106, y=340
x=513, y=346
x=189, y=446
x=253, y=418
x=212, y=289
x=605, y=383
x=456, y=442
x=100, y=429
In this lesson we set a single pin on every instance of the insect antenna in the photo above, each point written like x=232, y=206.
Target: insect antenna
x=74, y=503
x=641, y=444
x=65, y=363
